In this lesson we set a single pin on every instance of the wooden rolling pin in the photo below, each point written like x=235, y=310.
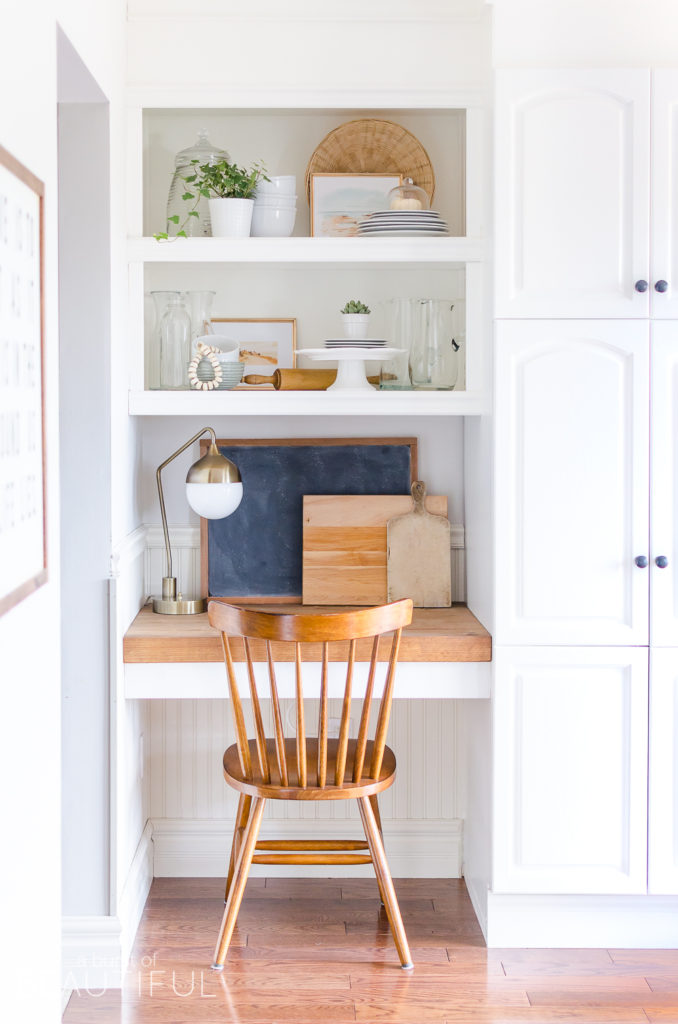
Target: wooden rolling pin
x=299, y=380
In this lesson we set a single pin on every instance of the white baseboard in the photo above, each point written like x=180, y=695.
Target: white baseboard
x=135, y=892
x=623, y=922
x=199, y=848
x=91, y=953
x=478, y=899
x=95, y=950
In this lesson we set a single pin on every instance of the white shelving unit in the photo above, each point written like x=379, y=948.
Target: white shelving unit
x=466, y=254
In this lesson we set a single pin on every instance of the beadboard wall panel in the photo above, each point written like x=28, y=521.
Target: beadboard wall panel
x=185, y=541
x=192, y=809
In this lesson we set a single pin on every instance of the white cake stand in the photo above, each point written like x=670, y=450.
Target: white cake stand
x=350, y=362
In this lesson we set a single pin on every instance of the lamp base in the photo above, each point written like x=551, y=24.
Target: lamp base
x=172, y=603
x=178, y=606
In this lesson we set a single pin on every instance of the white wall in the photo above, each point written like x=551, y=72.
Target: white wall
x=29, y=634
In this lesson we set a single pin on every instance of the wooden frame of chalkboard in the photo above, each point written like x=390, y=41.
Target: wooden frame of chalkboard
x=389, y=465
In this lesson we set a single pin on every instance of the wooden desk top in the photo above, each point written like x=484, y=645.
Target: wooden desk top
x=435, y=635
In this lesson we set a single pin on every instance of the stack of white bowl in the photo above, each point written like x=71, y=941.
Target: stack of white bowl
x=275, y=207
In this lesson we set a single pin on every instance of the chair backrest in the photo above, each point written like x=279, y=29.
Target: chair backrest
x=298, y=629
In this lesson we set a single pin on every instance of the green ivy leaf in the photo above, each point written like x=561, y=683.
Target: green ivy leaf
x=181, y=234
x=193, y=213
x=188, y=195
x=160, y=235
x=191, y=178
x=174, y=218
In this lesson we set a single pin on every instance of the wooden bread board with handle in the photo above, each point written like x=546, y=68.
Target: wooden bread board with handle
x=344, y=545
x=418, y=554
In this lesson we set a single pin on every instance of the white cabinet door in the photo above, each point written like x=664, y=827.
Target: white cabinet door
x=664, y=193
x=570, y=770
x=572, y=201
x=664, y=477
x=663, y=789
x=571, y=475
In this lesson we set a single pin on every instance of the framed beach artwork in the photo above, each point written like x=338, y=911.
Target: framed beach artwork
x=339, y=201
x=266, y=344
x=23, y=536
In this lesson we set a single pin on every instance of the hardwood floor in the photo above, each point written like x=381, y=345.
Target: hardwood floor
x=309, y=950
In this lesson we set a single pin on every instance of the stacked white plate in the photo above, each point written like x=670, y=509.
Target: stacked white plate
x=403, y=223
x=354, y=343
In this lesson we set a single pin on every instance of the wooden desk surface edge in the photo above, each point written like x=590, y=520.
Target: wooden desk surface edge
x=435, y=635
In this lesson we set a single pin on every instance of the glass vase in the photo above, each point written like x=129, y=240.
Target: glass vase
x=175, y=346
x=200, y=311
x=434, y=359
x=161, y=301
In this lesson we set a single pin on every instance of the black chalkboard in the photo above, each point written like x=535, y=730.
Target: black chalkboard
x=256, y=552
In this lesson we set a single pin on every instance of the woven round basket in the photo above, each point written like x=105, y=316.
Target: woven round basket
x=371, y=146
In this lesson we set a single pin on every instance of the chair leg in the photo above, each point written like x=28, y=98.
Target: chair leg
x=385, y=881
x=242, y=814
x=237, y=888
x=375, y=807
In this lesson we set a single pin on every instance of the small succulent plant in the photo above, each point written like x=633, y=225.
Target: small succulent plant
x=355, y=306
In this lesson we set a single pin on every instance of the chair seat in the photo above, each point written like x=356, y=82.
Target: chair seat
x=274, y=790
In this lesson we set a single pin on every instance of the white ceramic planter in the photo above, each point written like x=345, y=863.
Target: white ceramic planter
x=231, y=218
x=355, y=324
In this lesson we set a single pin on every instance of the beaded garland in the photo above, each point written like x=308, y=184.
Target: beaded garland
x=210, y=353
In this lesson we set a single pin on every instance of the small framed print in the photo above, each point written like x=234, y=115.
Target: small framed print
x=339, y=201
x=23, y=526
x=266, y=344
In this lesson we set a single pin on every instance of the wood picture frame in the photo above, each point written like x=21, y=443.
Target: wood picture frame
x=23, y=467
x=315, y=446
x=336, y=214
x=275, y=338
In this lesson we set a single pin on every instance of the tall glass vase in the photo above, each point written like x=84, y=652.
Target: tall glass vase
x=175, y=346
x=161, y=301
x=200, y=311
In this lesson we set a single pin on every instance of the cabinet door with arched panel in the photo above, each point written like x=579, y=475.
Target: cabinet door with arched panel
x=572, y=193
x=572, y=478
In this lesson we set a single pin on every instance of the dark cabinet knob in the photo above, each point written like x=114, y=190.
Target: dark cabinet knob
x=661, y=286
x=661, y=561
x=641, y=286
x=641, y=561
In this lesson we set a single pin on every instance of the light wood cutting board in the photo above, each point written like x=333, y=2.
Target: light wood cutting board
x=344, y=545
x=418, y=554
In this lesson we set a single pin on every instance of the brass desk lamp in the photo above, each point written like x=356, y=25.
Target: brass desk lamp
x=214, y=491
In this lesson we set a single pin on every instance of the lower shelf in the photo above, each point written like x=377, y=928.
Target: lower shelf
x=306, y=403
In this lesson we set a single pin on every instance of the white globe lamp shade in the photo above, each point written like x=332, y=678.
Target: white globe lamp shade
x=214, y=500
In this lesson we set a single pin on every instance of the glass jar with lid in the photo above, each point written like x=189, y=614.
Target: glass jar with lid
x=205, y=153
x=408, y=196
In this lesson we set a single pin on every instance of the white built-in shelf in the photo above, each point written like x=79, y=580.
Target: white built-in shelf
x=305, y=403
x=306, y=250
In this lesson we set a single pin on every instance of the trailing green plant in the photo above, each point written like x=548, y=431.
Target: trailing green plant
x=355, y=306
x=215, y=181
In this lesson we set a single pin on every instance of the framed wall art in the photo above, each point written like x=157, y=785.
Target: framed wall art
x=266, y=344
x=23, y=525
x=339, y=201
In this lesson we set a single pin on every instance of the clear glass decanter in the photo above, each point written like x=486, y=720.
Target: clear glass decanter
x=200, y=311
x=205, y=153
x=175, y=345
x=161, y=301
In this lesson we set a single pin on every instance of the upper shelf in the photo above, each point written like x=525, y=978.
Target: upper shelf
x=306, y=250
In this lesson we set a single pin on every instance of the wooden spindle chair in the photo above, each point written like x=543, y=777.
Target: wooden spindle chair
x=309, y=767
